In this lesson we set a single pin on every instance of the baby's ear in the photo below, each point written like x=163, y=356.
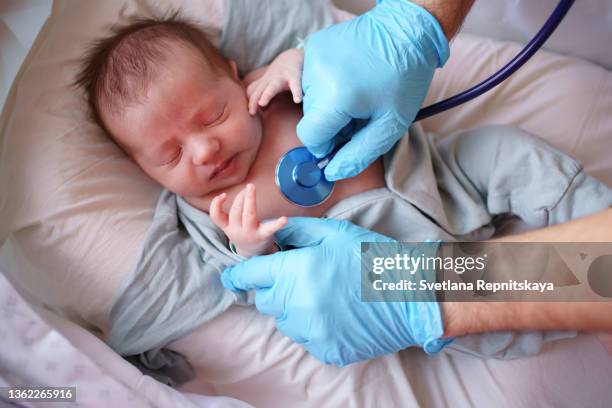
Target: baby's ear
x=234, y=69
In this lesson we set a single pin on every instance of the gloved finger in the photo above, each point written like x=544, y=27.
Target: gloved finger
x=255, y=273
x=267, y=303
x=318, y=127
x=305, y=232
x=297, y=333
x=324, y=354
x=368, y=144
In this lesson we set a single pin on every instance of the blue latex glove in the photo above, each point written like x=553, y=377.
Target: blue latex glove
x=314, y=293
x=377, y=66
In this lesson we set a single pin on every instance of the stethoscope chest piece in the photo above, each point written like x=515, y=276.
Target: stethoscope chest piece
x=300, y=178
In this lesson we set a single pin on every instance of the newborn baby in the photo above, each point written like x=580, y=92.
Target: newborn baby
x=182, y=113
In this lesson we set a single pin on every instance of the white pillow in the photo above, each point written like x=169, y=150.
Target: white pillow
x=78, y=208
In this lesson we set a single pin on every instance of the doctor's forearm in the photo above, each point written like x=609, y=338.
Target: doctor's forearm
x=477, y=317
x=449, y=13
x=594, y=228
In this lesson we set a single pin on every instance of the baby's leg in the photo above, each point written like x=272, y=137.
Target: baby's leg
x=517, y=173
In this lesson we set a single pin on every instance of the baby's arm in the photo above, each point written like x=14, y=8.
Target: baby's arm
x=283, y=74
x=242, y=226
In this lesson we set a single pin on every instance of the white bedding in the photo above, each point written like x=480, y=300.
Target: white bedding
x=39, y=348
x=265, y=369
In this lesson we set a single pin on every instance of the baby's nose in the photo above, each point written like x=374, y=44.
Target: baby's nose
x=204, y=150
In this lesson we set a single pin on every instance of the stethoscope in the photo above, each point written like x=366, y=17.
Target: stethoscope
x=300, y=175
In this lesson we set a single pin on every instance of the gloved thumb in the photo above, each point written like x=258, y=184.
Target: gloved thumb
x=369, y=143
x=255, y=273
x=317, y=129
x=305, y=232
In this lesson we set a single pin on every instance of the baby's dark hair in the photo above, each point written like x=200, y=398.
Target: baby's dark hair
x=117, y=70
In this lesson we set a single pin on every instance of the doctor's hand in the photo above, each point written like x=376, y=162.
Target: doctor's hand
x=314, y=292
x=378, y=67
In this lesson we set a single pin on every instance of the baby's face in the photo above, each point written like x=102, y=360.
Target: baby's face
x=192, y=133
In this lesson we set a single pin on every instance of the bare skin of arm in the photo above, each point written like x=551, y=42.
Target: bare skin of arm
x=594, y=228
x=466, y=318
x=449, y=13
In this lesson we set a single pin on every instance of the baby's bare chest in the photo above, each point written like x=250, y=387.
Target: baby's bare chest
x=279, y=137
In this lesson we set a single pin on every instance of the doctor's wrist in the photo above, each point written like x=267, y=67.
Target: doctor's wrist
x=463, y=318
x=450, y=14
x=412, y=25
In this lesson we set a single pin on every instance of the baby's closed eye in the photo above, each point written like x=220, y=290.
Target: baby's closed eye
x=216, y=116
x=174, y=157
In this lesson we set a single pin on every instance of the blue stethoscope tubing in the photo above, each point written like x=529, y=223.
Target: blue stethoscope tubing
x=511, y=67
x=300, y=176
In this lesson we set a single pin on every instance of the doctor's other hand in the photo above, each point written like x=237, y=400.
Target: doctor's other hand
x=314, y=292
x=378, y=67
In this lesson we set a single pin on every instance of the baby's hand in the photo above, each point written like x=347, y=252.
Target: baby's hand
x=242, y=225
x=283, y=74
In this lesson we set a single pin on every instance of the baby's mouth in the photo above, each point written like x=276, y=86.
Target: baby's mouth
x=221, y=168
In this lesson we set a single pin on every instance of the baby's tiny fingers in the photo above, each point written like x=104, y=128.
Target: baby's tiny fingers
x=269, y=228
x=217, y=214
x=256, y=88
x=249, y=213
x=255, y=96
x=235, y=213
x=256, y=85
x=273, y=88
x=296, y=89
x=251, y=88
